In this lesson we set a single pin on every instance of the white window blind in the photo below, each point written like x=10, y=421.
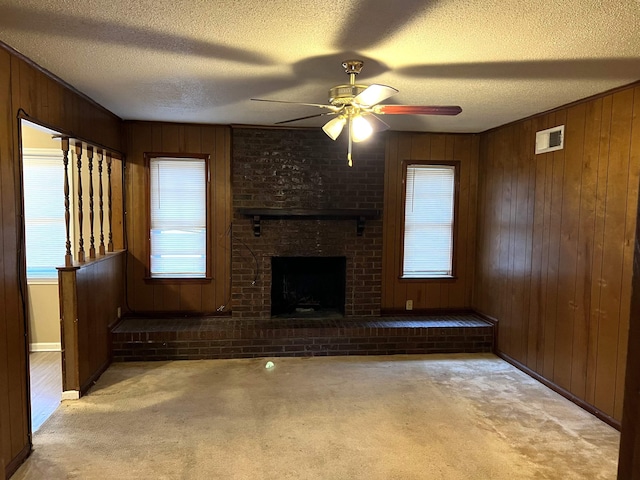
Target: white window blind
x=428, y=221
x=178, y=217
x=45, y=232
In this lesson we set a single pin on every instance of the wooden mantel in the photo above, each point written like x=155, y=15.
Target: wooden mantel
x=361, y=215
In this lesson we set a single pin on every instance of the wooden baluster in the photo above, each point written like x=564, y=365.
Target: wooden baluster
x=64, y=144
x=80, y=212
x=109, y=211
x=101, y=202
x=92, y=244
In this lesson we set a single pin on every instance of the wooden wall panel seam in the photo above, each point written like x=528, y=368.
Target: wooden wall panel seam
x=581, y=300
x=597, y=258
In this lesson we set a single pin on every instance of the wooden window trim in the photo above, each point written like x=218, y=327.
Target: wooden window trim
x=147, y=180
x=456, y=200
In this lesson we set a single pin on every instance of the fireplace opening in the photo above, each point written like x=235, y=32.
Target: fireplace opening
x=308, y=286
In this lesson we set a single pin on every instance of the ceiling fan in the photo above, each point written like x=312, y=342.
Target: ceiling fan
x=356, y=107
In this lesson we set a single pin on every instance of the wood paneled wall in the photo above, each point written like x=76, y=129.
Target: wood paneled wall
x=430, y=294
x=555, y=244
x=178, y=297
x=14, y=441
x=22, y=86
x=90, y=296
x=54, y=105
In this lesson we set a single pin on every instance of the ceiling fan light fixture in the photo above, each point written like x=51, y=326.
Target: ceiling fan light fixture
x=361, y=129
x=358, y=106
x=333, y=128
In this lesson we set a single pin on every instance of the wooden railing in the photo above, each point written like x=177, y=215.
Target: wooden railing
x=103, y=156
x=90, y=283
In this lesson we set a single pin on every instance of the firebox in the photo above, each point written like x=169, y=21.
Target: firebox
x=308, y=286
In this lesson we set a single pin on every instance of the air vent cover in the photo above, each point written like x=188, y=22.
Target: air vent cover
x=550, y=139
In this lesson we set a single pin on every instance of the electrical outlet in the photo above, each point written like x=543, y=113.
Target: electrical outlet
x=409, y=305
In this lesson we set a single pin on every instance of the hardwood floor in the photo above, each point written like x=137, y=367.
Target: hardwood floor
x=46, y=385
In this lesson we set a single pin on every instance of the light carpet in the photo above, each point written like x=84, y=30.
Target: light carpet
x=388, y=417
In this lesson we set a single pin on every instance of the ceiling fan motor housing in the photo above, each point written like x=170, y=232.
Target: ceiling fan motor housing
x=344, y=94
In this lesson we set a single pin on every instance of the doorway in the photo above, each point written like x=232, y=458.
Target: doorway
x=45, y=235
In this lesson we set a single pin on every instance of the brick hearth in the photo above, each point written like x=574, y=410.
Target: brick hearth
x=211, y=338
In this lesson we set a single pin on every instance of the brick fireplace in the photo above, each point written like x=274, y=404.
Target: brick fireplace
x=309, y=204
x=320, y=208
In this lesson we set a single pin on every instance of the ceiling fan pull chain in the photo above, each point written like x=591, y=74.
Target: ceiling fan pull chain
x=350, y=145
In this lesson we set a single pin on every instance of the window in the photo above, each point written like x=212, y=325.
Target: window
x=45, y=232
x=429, y=220
x=178, y=196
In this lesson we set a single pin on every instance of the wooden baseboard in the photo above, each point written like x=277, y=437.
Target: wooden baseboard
x=45, y=347
x=558, y=389
x=70, y=395
x=18, y=460
x=94, y=378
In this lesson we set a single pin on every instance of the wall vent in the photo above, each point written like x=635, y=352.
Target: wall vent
x=550, y=139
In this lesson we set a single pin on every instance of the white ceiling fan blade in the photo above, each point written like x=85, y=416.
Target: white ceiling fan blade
x=333, y=128
x=374, y=94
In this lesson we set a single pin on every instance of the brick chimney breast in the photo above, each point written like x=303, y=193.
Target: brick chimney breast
x=304, y=169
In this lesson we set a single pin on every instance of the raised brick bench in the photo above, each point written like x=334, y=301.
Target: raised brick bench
x=138, y=339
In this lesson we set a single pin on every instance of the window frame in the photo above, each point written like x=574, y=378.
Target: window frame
x=454, y=238
x=148, y=156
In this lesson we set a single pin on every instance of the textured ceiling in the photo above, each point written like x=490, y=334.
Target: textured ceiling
x=202, y=60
